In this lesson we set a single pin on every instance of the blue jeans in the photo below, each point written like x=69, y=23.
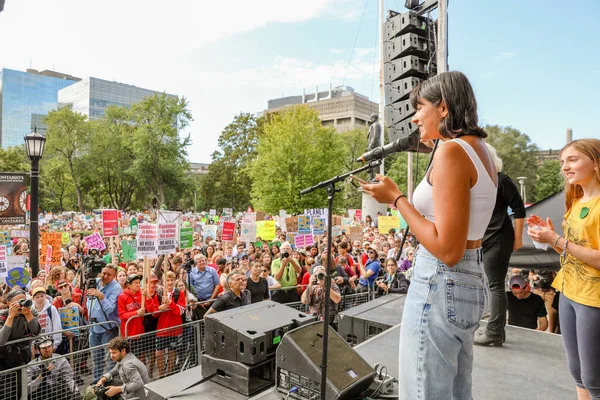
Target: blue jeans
x=442, y=312
x=98, y=355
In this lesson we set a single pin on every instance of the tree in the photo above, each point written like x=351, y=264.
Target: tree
x=228, y=183
x=111, y=156
x=549, y=179
x=14, y=159
x=398, y=169
x=294, y=152
x=67, y=137
x=57, y=192
x=518, y=154
x=354, y=144
x=159, y=152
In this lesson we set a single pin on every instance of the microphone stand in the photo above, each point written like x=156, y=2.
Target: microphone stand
x=329, y=186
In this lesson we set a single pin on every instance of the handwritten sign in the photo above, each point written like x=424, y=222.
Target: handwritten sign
x=303, y=241
x=186, y=238
x=318, y=225
x=110, y=223
x=167, y=238
x=147, y=240
x=69, y=318
x=304, y=225
x=66, y=238
x=336, y=230
x=53, y=239
x=95, y=241
x=16, y=233
x=248, y=232
x=291, y=224
x=3, y=264
x=228, y=231
x=128, y=248
x=265, y=230
x=355, y=233
x=386, y=223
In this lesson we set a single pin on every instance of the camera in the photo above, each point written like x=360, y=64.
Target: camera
x=26, y=303
x=92, y=265
x=285, y=255
x=100, y=392
x=320, y=276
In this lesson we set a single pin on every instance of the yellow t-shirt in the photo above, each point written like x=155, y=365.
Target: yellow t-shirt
x=578, y=281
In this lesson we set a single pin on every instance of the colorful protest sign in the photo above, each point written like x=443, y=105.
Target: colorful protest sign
x=304, y=224
x=69, y=318
x=212, y=212
x=95, y=241
x=13, y=198
x=228, y=212
x=5, y=238
x=48, y=258
x=318, y=226
x=317, y=212
x=66, y=238
x=403, y=223
x=385, y=223
x=133, y=225
x=249, y=218
x=186, y=238
x=291, y=224
x=290, y=237
x=18, y=277
x=128, y=247
x=265, y=230
x=358, y=215
x=15, y=233
x=228, y=231
x=248, y=232
x=167, y=238
x=3, y=263
x=336, y=230
x=346, y=221
x=110, y=223
x=147, y=240
x=210, y=230
x=303, y=241
x=53, y=239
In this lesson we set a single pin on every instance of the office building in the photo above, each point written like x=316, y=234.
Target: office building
x=25, y=99
x=340, y=107
x=199, y=168
x=92, y=96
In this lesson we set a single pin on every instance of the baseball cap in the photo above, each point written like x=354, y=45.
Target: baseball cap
x=303, y=252
x=154, y=278
x=242, y=255
x=37, y=290
x=133, y=277
x=366, y=245
x=517, y=281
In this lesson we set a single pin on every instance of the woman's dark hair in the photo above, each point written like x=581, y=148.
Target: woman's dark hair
x=454, y=89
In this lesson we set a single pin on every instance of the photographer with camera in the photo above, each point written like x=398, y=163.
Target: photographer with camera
x=286, y=270
x=17, y=322
x=128, y=377
x=102, y=295
x=314, y=295
x=50, y=377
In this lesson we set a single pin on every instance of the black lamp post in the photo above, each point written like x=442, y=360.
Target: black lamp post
x=35, y=149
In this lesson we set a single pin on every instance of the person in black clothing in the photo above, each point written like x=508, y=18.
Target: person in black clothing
x=256, y=284
x=499, y=242
x=237, y=296
x=393, y=281
x=525, y=309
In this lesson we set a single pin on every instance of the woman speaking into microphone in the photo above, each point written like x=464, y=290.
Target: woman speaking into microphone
x=452, y=208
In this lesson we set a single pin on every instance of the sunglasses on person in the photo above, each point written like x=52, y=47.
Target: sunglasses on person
x=371, y=252
x=60, y=287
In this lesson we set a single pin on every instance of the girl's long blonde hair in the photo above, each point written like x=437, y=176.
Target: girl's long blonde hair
x=590, y=148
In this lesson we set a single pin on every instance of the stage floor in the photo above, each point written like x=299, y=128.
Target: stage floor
x=531, y=365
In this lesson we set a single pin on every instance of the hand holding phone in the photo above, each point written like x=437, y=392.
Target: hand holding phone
x=359, y=180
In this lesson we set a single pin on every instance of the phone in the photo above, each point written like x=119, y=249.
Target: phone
x=360, y=180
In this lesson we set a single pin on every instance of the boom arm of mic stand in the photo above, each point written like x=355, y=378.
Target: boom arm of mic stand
x=339, y=178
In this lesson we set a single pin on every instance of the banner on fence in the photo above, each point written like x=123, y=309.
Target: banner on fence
x=147, y=240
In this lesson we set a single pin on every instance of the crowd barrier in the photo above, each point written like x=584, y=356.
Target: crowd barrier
x=181, y=347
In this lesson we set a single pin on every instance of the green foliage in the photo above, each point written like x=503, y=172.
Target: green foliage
x=159, y=152
x=294, y=152
x=57, y=192
x=228, y=183
x=549, y=180
x=518, y=154
x=14, y=159
x=398, y=169
x=354, y=144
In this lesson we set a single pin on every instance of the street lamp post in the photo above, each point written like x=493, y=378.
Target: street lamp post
x=35, y=149
x=522, y=180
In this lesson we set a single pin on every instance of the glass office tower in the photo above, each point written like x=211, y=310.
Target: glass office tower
x=25, y=98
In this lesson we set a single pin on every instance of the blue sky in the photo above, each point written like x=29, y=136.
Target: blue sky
x=534, y=64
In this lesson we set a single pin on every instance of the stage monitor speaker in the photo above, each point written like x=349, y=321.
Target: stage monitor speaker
x=298, y=364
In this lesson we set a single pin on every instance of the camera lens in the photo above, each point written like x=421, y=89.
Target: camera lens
x=320, y=276
x=25, y=303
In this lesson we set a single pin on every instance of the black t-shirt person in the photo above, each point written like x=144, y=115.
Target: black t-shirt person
x=259, y=291
x=525, y=312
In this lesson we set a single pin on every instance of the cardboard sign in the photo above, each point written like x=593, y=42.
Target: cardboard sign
x=336, y=230
x=167, y=238
x=3, y=263
x=248, y=232
x=260, y=215
x=69, y=318
x=336, y=220
x=147, y=240
x=15, y=233
x=95, y=241
x=304, y=225
x=66, y=238
x=228, y=212
x=210, y=230
x=346, y=221
x=128, y=248
x=265, y=230
x=110, y=223
x=228, y=231
x=385, y=223
x=355, y=233
x=318, y=226
x=186, y=238
x=53, y=239
x=291, y=224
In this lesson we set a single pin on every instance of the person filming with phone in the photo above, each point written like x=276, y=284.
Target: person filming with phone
x=314, y=295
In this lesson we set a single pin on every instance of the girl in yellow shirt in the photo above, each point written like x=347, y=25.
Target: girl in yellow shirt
x=579, y=277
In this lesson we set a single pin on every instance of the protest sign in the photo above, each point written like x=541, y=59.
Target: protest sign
x=228, y=212
x=13, y=192
x=386, y=223
x=5, y=238
x=69, y=318
x=249, y=218
x=260, y=215
x=355, y=233
x=336, y=230
x=167, y=238
x=346, y=221
x=303, y=241
x=15, y=261
x=282, y=214
x=212, y=212
x=15, y=233
x=147, y=240
x=318, y=226
x=317, y=212
x=336, y=220
x=248, y=232
x=18, y=277
x=3, y=263
x=290, y=237
x=95, y=241
x=53, y=239
x=110, y=223
x=128, y=248
x=186, y=238
x=358, y=215
x=169, y=217
x=48, y=258
x=265, y=230
x=228, y=231
x=304, y=224
x=133, y=225
x=66, y=238
x=210, y=230
x=403, y=223
x=291, y=224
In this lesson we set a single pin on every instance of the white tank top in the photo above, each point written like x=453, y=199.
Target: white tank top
x=483, y=196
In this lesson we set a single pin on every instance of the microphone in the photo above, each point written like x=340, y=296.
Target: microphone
x=402, y=144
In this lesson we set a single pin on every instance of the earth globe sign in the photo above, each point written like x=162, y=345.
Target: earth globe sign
x=18, y=276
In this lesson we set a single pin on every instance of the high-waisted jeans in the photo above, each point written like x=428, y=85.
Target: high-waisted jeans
x=443, y=308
